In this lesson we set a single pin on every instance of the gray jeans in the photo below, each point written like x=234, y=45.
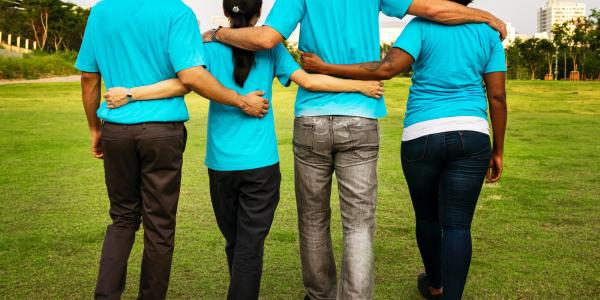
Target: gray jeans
x=348, y=146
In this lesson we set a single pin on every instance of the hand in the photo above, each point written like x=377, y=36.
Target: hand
x=116, y=97
x=210, y=35
x=373, y=89
x=96, y=136
x=499, y=26
x=254, y=104
x=496, y=167
x=312, y=63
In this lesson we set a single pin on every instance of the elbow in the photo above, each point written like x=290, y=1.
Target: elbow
x=385, y=73
x=310, y=85
x=499, y=98
x=187, y=81
x=267, y=41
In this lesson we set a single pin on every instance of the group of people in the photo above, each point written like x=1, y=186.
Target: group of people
x=151, y=53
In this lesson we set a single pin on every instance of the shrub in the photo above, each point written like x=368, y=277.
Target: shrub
x=38, y=64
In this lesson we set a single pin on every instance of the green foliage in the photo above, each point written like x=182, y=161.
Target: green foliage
x=53, y=24
x=38, y=64
x=577, y=39
x=294, y=51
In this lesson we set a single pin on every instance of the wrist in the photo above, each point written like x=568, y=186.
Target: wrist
x=215, y=35
x=133, y=94
x=240, y=102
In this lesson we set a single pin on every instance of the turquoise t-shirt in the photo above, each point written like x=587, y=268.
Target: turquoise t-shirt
x=450, y=62
x=135, y=43
x=340, y=32
x=236, y=141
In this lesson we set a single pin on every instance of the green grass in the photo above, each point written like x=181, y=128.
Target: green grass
x=536, y=234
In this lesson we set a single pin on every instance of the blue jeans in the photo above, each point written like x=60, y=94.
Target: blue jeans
x=445, y=173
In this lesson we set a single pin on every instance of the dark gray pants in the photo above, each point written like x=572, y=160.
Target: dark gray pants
x=142, y=165
x=348, y=146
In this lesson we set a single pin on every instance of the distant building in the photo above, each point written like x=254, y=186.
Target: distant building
x=511, y=35
x=558, y=12
x=390, y=31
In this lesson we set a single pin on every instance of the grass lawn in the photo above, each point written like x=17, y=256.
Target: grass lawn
x=536, y=234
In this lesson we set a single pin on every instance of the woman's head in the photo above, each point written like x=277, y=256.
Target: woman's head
x=463, y=2
x=242, y=13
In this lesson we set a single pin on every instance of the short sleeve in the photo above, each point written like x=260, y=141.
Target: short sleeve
x=185, y=46
x=285, y=65
x=86, y=58
x=410, y=39
x=395, y=8
x=285, y=16
x=497, y=61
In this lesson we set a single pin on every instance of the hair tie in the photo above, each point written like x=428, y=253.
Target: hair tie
x=235, y=9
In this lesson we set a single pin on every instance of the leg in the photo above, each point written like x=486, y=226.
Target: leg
x=313, y=168
x=224, y=195
x=258, y=199
x=460, y=184
x=422, y=169
x=161, y=149
x=121, y=168
x=357, y=145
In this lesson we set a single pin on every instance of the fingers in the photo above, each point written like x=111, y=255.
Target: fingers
x=266, y=105
x=97, y=154
x=257, y=93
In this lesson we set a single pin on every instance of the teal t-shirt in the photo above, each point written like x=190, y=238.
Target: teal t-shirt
x=450, y=62
x=236, y=141
x=135, y=43
x=340, y=32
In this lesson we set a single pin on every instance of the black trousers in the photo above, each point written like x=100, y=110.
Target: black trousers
x=244, y=203
x=142, y=165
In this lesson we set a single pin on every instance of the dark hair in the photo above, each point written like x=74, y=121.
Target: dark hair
x=240, y=13
x=463, y=2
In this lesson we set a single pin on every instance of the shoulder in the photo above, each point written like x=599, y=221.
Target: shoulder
x=216, y=47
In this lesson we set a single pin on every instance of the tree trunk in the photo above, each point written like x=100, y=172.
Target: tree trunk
x=533, y=69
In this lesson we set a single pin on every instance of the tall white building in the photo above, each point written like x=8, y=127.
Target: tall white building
x=558, y=12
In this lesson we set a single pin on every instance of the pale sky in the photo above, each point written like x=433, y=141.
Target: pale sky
x=521, y=13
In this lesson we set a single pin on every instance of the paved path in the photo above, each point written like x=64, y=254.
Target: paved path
x=74, y=78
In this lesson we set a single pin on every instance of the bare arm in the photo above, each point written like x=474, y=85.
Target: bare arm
x=200, y=81
x=451, y=13
x=203, y=83
x=394, y=63
x=496, y=93
x=117, y=96
x=249, y=38
x=324, y=83
x=90, y=94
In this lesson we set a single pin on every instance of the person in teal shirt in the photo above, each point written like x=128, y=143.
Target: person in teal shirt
x=445, y=143
x=339, y=132
x=241, y=151
x=137, y=42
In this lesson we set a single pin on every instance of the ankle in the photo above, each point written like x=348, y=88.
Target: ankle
x=436, y=291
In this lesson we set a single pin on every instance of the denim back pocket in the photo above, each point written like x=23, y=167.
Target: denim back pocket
x=415, y=150
x=365, y=140
x=475, y=144
x=303, y=139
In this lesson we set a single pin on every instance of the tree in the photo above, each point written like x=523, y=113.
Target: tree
x=47, y=21
x=548, y=49
x=531, y=55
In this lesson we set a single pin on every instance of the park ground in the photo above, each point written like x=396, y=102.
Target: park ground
x=536, y=233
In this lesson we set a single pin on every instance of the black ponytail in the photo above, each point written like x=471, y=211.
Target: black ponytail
x=241, y=12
